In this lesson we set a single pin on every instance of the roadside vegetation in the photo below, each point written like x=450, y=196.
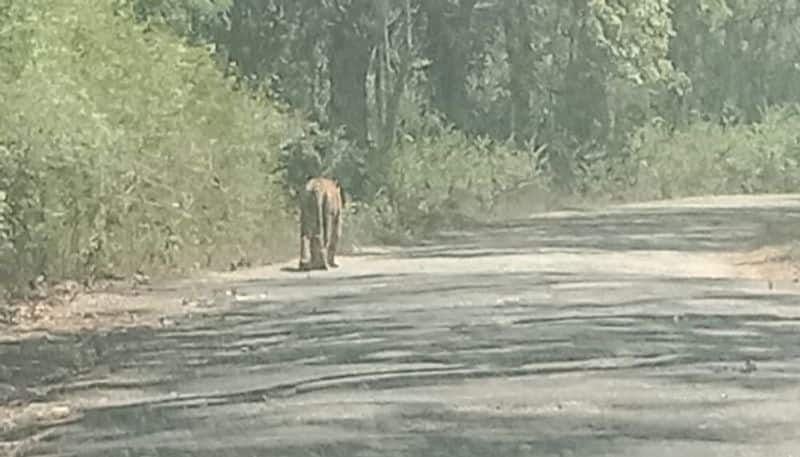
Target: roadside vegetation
x=167, y=136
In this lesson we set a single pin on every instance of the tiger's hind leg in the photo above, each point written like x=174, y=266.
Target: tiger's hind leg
x=335, y=235
x=319, y=251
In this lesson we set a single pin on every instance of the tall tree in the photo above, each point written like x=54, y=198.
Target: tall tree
x=449, y=46
x=518, y=30
x=351, y=28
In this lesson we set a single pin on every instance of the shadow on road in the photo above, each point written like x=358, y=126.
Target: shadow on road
x=355, y=345
x=681, y=230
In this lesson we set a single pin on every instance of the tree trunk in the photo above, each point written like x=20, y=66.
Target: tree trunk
x=394, y=90
x=518, y=42
x=584, y=104
x=348, y=61
x=448, y=48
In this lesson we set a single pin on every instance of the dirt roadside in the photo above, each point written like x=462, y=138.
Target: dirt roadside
x=153, y=304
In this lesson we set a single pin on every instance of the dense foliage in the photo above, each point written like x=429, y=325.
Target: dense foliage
x=142, y=134
x=123, y=148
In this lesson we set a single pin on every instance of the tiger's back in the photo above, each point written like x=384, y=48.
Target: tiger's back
x=321, y=204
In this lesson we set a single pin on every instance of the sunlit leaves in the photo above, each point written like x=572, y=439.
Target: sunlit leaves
x=635, y=34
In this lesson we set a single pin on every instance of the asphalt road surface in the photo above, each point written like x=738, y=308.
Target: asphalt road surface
x=620, y=332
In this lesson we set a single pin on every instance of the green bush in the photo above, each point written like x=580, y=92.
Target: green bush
x=22, y=238
x=450, y=180
x=124, y=148
x=706, y=159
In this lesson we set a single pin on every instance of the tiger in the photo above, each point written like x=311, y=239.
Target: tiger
x=321, y=203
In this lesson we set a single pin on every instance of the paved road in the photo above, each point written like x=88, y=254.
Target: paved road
x=619, y=332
